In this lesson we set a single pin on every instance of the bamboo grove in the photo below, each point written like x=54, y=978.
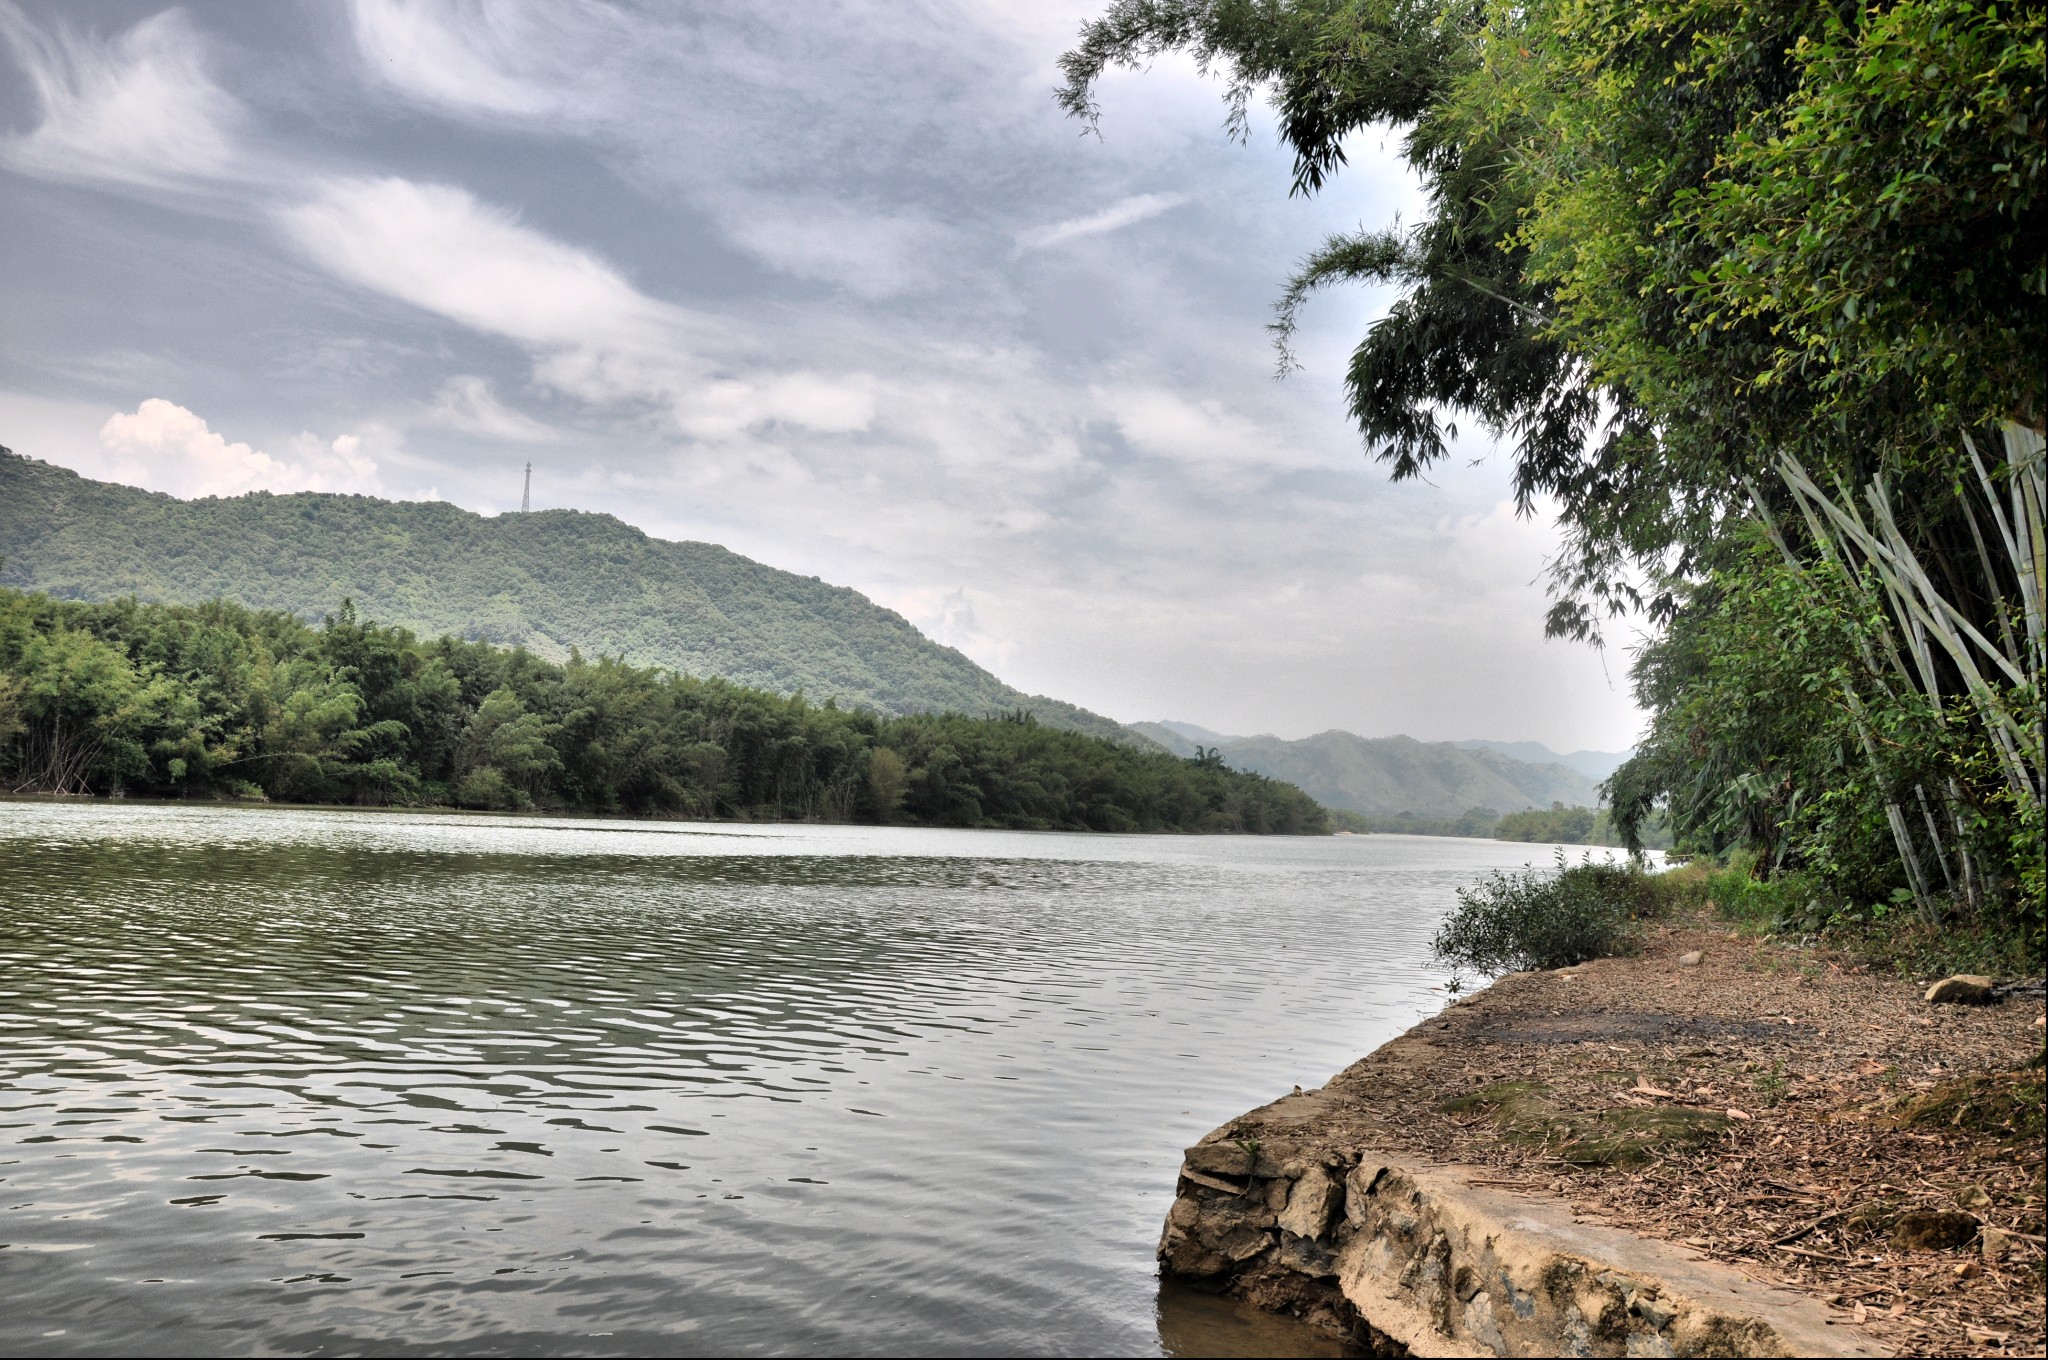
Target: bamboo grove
x=1754, y=294
x=218, y=700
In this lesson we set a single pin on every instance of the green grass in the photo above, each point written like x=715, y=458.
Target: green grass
x=1889, y=935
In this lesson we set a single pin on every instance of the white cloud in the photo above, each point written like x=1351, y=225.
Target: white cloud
x=164, y=447
x=462, y=54
x=870, y=254
x=141, y=110
x=594, y=336
x=467, y=404
x=441, y=249
x=1221, y=448
x=1123, y=213
x=949, y=617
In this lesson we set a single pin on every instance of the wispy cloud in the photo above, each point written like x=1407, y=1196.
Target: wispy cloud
x=1123, y=213
x=467, y=404
x=591, y=333
x=141, y=110
x=442, y=249
x=466, y=56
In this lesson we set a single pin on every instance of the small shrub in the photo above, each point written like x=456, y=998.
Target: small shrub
x=1534, y=918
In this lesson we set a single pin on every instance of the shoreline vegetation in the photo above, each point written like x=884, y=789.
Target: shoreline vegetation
x=219, y=701
x=1554, y=825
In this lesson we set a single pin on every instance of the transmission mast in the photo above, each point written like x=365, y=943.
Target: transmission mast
x=526, y=496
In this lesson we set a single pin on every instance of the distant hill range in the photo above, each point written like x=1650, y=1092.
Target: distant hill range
x=1386, y=776
x=547, y=581
x=1595, y=765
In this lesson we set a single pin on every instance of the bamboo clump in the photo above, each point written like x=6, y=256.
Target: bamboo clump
x=2000, y=679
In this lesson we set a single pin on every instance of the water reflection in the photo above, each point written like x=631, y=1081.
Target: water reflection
x=1193, y=1323
x=316, y=1081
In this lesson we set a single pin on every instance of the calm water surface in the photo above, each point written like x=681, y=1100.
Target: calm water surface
x=290, y=1081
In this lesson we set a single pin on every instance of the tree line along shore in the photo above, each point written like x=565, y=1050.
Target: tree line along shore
x=221, y=701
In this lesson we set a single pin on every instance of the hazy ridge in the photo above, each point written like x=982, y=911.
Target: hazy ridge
x=1384, y=776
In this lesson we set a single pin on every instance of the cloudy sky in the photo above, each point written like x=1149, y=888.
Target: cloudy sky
x=834, y=285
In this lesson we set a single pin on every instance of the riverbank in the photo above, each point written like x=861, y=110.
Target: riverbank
x=1763, y=1149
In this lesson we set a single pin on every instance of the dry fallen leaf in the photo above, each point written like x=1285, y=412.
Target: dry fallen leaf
x=1734, y=1113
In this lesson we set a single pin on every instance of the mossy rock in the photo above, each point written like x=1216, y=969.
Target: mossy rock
x=1523, y=1112
x=2007, y=1106
x=1632, y=1137
x=1502, y=1100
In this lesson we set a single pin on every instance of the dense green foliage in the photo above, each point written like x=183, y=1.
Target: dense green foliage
x=1554, y=825
x=1474, y=822
x=1561, y=825
x=220, y=700
x=1536, y=918
x=1755, y=293
x=547, y=581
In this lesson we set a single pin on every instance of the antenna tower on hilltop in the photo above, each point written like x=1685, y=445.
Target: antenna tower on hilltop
x=526, y=496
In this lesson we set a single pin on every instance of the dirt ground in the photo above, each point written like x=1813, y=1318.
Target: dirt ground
x=1773, y=1107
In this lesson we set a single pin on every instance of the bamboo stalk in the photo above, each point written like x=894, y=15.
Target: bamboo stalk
x=1895, y=564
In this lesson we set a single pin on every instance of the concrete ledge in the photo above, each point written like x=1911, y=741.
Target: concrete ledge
x=1424, y=1260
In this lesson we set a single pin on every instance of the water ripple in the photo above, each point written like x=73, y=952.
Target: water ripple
x=286, y=1080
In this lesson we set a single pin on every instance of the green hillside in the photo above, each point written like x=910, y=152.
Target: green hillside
x=547, y=581
x=1384, y=776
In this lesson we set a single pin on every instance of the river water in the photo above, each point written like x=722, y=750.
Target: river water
x=299, y=1081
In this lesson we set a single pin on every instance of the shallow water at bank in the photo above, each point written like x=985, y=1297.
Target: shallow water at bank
x=321, y=1081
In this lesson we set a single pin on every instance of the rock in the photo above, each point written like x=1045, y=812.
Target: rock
x=1185, y=1256
x=1690, y=959
x=1311, y=1204
x=1973, y=1197
x=1653, y=1311
x=1244, y=1242
x=1308, y=1258
x=1997, y=1242
x=1233, y=1158
x=1213, y=1182
x=1964, y=989
x=1933, y=1229
x=1359, y=1186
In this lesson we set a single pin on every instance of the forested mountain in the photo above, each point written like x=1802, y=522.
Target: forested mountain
x=1388, y=775
x=547, y=581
